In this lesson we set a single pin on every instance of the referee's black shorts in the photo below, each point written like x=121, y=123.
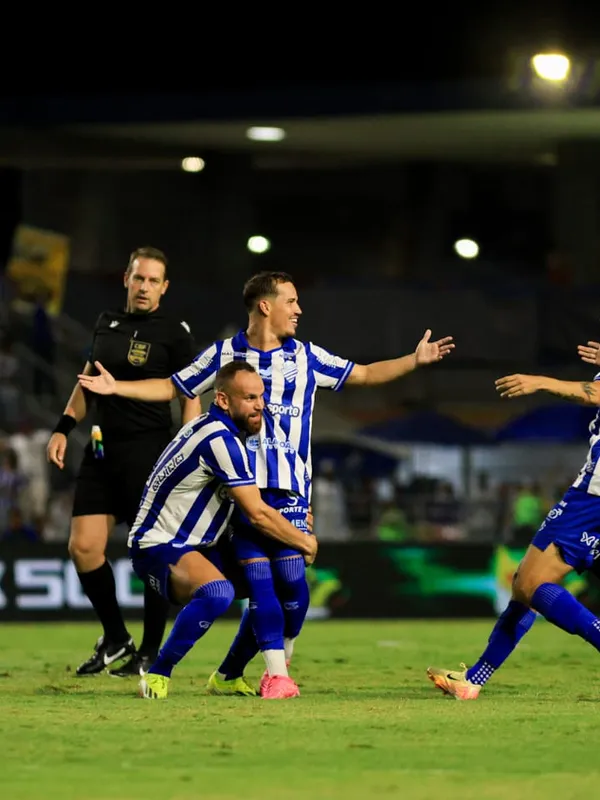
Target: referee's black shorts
x=114, y=484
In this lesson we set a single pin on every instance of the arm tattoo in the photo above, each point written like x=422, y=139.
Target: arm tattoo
x=588, y=394
x=588, y=391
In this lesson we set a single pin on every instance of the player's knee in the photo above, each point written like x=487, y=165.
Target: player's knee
x=218, y=595
x=289, y=569
x=524, y=586
x=538, y=567
x=258, y=571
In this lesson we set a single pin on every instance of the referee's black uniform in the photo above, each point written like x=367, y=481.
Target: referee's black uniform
x=131, y=347
x=133, y=435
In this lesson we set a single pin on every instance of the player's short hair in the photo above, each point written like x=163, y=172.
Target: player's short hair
x=228, y=372
x=261, y=285
x=148, y=252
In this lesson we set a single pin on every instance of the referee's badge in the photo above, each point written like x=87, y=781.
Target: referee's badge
x=138, y=352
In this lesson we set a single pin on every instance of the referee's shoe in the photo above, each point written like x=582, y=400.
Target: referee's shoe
x=138, y=665
x=105, y=653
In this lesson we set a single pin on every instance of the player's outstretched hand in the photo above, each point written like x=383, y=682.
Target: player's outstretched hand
x=518, y=385
x=104, y=383
x=590, y=353
x=428, y=352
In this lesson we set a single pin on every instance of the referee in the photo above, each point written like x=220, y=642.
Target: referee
x=127, y=438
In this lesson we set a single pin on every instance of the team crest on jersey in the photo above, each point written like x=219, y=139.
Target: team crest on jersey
x=138, y=352
x=290, y=370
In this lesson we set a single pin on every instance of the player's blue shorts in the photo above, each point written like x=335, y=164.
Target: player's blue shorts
x=249, y=543
x=573, y=525
x=152, y=564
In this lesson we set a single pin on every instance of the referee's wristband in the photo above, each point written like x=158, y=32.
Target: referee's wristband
x=65, y=424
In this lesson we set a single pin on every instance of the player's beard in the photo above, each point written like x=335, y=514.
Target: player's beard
x=251, y=426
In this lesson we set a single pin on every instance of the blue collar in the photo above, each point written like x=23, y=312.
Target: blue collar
x=240, y=340
x=218, y=413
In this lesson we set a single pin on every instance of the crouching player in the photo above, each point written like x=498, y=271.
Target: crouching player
x=186, y=506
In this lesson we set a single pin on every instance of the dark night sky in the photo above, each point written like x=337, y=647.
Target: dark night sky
x=409, y=42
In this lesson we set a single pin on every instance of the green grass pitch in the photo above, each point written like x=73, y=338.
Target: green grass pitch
x=367, y=725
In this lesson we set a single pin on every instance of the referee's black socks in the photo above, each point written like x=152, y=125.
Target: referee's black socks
x=99, y=586
x=156, y=610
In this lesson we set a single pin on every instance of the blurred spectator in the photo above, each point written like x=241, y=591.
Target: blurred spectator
x=44, y=347
x=58, y=518
x=9, y=391
x=443, y=513
x=12, y=483
x=17, y=531
x=528, y=512
x=30, y=446
x=482, y=520
x=392, y=525
x=360, y=505
x=330, y=516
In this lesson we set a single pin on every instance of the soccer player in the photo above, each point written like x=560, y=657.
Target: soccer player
x=186, y=507
x=136, y=342
x=280, y=454
x=568, y=539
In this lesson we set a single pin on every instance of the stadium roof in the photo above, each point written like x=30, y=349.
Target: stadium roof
x=332, y=126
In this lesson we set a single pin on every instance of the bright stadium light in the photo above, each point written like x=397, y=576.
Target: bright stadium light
x=551, y=66
x=265, y=134
x=258, y=244
x=192, y=164
x=466, y=248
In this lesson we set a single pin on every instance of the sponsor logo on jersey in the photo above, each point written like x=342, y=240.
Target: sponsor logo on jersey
x=269, y=443
x=283, y=410
x=330, y=361
x=266, y=373
x=253, y=443
x=167, y=470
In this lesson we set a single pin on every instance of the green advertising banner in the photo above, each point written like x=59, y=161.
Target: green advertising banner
x=354, y=580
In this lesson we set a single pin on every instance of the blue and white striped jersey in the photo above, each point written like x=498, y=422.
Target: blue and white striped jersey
x=589, y=475
x=185, y=501
x=280, y=456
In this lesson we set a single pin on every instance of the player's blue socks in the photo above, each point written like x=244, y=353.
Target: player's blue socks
x=508, y=631
x=292, y=590
x=566, y=612
x=264, y=608
x=192, y=622
x=242, y=651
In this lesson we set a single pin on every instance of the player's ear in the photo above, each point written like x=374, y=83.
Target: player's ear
x=264, y=307
x=126, y=278
x=164, y=287
x=222, y=400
